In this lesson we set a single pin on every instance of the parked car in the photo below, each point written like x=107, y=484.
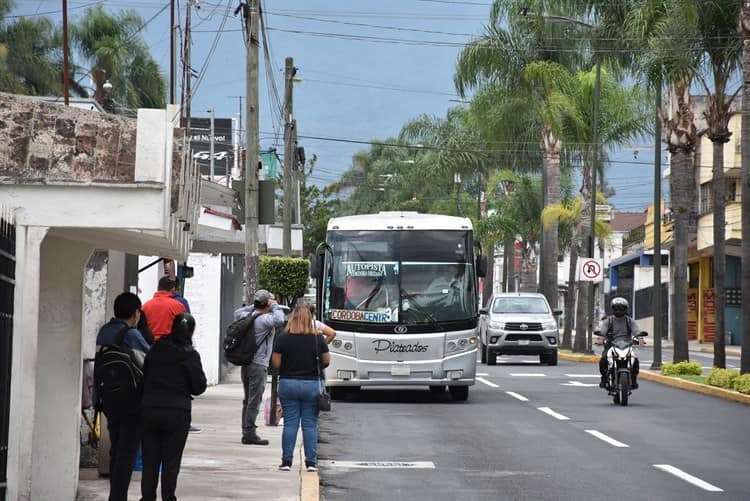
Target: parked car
x=519, y=323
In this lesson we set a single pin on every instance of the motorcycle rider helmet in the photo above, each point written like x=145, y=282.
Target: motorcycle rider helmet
x=619, y=306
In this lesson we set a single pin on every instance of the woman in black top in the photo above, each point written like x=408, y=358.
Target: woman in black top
x=171, y=374
x=300, y=365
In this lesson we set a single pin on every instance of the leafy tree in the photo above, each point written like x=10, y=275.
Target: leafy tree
x=112, y=47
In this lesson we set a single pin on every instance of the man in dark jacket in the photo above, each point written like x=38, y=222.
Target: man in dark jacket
x=172, y=374
x=123, y=429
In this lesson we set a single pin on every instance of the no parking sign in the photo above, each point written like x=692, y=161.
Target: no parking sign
x=590, y=269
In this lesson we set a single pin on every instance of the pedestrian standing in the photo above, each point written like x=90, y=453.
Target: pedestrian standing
x=322, y=328
x=301, y=354
x=163, y=308
x=172, y=373
x=123, y=426
x=269, y=317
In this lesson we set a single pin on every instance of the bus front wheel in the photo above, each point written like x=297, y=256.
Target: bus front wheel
x=459, y=393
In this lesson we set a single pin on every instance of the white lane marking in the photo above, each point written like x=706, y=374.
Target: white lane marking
x=579, y=384
x=517, y=396
x=554, y=414
x=488, y=383
x=379, y=464
x=688, y=478
x=482, y=374
x=582, y=375
x=527, y=374
x=609, y=440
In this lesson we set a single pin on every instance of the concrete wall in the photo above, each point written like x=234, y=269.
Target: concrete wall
x=203, y=291
x=57, y=399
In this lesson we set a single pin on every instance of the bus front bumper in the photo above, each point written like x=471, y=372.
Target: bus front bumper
x=455, y=370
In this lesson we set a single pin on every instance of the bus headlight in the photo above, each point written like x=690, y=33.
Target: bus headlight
x=461, y=344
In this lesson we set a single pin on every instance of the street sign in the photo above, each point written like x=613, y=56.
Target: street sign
x=590, y=269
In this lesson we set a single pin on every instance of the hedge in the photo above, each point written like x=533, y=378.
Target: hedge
x=682, y=368
x=286, y=277
x=723, y=378
x=742, y=384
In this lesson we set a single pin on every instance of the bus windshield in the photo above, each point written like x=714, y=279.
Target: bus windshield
x=407, y=277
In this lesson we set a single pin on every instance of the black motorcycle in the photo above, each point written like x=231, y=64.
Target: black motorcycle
x=620, y=356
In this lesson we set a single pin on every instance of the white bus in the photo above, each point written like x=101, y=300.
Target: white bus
x=401, y=290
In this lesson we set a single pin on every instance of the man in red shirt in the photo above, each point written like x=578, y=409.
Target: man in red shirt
x=162, y=308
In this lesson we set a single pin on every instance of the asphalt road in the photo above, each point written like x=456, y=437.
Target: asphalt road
x=533, y=432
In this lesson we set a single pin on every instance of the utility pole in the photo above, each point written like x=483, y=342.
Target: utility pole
x=592, y=242
x=251, y=13
x=289, y=153
x=66, y=84
x=656, y=299
x=171, y=52
x=212, y=169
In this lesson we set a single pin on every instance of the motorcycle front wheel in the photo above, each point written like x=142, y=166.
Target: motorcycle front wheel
x=623, y=389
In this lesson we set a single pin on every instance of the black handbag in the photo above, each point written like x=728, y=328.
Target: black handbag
x=324, y=398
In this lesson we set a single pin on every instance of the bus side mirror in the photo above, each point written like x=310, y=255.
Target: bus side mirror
x=316, y=265
x=481, y=266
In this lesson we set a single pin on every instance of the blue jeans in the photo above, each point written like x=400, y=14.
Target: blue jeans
x=299, y=402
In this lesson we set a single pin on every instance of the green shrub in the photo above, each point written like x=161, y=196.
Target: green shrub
x=742, y=384
x=723, y=378
x=286, y=277
x=682, y=368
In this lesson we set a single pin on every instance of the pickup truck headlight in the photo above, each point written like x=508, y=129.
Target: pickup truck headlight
x=549, y=325
x=497, y=325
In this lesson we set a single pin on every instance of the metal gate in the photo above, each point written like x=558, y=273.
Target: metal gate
x=7, y=285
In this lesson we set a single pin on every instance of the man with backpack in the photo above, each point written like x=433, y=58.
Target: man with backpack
x=268, y=316
x=118, y=367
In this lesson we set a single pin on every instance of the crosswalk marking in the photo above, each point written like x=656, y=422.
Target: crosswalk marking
x=527, y=374
x=688, y=478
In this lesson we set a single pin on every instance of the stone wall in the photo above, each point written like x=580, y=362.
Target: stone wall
x=43, y=142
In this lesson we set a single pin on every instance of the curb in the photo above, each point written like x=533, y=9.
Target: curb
x=309, y=483
x=646, y=374
x=706, y=389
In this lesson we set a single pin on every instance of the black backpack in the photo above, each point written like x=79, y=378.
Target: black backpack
x=240, y=344
x=117, y=378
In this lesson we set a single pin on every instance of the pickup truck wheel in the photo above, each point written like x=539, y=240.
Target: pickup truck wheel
x=491, y=357
x=483, y=355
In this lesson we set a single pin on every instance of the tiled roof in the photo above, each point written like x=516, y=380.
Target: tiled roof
x=625, y=221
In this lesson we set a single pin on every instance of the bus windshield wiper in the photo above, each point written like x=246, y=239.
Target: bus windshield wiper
x=413, y=303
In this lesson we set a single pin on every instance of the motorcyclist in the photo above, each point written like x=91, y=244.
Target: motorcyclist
x=619, y=325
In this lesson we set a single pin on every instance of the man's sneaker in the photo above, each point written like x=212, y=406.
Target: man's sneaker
x=311, y=466
x=285, y=466
x=254, y=440
x=602, y=383
x=634, y=385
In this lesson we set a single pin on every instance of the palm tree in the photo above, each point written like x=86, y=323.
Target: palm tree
x=112, y=46
x=744, y=29
x=622, y=117
x=30, y=57
x=518, y=215
x=522, y=58
x=716, y=23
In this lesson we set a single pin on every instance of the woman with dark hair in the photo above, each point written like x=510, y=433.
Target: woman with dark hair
x=300, y=353
x=171, y=374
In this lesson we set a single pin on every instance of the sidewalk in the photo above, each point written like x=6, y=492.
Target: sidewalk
x=215, y=465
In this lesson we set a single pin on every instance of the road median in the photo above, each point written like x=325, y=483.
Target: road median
x=676, y=382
